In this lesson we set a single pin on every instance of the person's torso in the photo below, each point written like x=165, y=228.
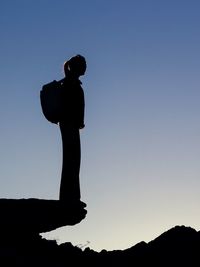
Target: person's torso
x=72, y=102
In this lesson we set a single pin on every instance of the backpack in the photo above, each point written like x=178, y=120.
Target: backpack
x=51, y=99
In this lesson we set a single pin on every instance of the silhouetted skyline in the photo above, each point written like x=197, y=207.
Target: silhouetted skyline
x=140, y=149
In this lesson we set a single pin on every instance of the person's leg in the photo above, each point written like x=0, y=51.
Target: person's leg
x=70, y=185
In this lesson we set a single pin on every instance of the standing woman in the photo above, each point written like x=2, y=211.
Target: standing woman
x=72, y=120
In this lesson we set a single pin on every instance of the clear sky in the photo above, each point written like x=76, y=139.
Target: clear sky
x=140, y=172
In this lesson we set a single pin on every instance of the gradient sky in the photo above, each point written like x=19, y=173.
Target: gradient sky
x=140, y=172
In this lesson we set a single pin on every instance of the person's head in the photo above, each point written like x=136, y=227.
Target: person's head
x=75, y=66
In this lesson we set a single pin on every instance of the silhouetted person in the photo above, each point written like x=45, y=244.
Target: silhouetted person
x=72, y=120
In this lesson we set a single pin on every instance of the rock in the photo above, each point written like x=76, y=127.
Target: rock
x=22, y=217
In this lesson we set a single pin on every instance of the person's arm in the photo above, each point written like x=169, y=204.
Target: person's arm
x=82, y=110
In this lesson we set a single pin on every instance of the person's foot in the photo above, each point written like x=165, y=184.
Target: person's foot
x=78, y=204
x=74, y=203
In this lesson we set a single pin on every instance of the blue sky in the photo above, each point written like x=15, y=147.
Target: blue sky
x=141, y=146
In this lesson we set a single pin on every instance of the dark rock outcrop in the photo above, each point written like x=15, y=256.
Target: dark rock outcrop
x=28, y=217
x=21, y=245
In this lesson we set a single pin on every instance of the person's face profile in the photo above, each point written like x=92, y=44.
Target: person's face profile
x=83, y=69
